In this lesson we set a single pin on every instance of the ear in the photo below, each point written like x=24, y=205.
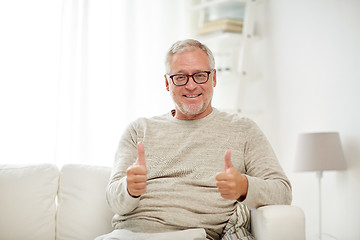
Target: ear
x=214, y=78
x=166, y=83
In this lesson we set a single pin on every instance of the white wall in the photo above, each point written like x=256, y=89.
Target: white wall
x=313, y=55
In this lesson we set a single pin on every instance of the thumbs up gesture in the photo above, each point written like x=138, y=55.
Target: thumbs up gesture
x=136, y=174
x=231, y=184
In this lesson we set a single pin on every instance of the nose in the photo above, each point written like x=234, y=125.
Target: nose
x=191, y=84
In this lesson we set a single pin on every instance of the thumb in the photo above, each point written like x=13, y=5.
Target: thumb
x=141, y=154
x=227, y=158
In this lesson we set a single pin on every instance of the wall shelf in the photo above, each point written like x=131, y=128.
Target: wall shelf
x=205, y=4
x=231, y=49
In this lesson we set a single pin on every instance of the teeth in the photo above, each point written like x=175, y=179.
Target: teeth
x=192, y=96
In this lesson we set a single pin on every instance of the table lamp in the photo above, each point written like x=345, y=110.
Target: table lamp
x=319, y=152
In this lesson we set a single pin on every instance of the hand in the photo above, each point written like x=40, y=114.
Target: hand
x=136, y=174
x=231, y=184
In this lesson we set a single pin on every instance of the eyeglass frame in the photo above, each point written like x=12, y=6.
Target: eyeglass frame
x=192, y=76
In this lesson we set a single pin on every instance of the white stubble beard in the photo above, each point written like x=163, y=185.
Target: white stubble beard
x=186, y=110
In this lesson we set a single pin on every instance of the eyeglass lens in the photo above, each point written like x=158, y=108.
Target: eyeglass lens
x=182, y=79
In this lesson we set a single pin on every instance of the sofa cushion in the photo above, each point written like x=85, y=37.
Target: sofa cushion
x=27, y=201
x=83, y=212
x=238, y=226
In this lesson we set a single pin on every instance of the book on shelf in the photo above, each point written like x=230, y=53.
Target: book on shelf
x=225, y=25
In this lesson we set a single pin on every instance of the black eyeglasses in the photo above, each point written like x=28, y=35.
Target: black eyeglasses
x=183, y=79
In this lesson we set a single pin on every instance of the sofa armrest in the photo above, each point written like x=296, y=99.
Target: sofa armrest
x=277, y=222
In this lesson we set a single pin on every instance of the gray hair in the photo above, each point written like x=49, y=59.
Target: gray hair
x=187, y=45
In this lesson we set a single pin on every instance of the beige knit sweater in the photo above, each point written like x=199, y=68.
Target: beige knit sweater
x=182, y=159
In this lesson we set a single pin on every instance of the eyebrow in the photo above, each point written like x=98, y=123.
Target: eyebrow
x=188, y=72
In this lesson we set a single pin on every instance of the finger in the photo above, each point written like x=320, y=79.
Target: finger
x=227, y=196
x=222, y=176
x=136, y=186
x=137, y=178
x=137, y=190
x=141, y=154
x=222, y=186
x=227, y=158
x=139, y=186
x=136, y=170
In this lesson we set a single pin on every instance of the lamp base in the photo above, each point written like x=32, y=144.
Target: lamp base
x=319, y=174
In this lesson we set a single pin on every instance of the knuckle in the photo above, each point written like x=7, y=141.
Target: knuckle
x=130, y=170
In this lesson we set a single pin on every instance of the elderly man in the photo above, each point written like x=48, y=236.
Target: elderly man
x=186, y=172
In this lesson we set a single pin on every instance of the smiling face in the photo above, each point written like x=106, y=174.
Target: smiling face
x=192, y=101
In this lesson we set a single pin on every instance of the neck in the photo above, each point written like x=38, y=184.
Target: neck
x=185, y=116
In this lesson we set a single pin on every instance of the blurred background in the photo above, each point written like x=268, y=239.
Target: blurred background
x=74, y=73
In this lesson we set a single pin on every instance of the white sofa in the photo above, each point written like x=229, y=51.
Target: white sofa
x=41, y=202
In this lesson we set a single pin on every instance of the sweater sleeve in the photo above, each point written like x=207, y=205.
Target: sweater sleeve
x=267, y=182
x=117, y=195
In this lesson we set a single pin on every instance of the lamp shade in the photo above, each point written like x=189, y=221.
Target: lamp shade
x=319, y=152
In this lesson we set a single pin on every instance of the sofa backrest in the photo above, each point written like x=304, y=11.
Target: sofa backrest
x=39, y=202
x=27, y=201
x=83, y=213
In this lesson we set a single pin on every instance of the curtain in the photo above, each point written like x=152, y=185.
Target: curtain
x=29, y=72
x=98, y=66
